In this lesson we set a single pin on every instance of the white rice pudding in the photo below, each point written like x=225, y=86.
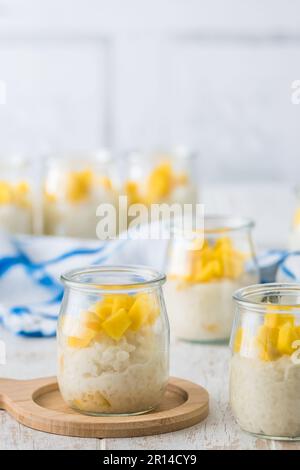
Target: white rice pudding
x=16, y=219
x=265, y=396
x=124, y=377
x=203, y=311
x=113, y=357
x=79, y=219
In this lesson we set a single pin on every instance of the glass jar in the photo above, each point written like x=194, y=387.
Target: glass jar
x=16, y=195
x=74, y=187
x=265, y=363
x=160, y=177
x=113, y=340
x=203, y=272
x=294, y=240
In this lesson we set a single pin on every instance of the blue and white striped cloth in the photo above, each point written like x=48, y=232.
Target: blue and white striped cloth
x=30, y=269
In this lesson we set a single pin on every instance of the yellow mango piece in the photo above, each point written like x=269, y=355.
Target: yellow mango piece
x=287, y=335
x=159, y=183
x=238, y=340
x=105, y=181
x=122, y=301
x=50, y=197
x=91, y=401
x=132, y=192
x=266, y=341
x=92, y=321
x=117, y=324
x=6, y=194
x=102, y=309
x=223, y=242
x=296, y=220
x=80, y=342
x=143, y=311
x=79, y=185
x=210, y=271
x=274, y=320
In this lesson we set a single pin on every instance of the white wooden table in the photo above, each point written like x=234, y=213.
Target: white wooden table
x=206, y=365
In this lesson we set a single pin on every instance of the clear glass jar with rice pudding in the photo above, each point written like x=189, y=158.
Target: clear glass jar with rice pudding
x=265, y=363
x=113, y=340
x=203, y=272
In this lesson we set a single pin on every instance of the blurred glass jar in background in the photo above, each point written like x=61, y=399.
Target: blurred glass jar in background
x=113, y=340
x=16, y=194
x=202, y=274
x=265, y=363
x=160, y=177
x=74, y=187
x=294, y=241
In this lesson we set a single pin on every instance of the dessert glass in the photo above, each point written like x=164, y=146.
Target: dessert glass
x=113, y=340
x=160, y=177
x=265, y=363
x=16, y=195
x=203, y=272
x=73, y=189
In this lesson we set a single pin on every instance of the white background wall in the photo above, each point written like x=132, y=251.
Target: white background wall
x=213, y=74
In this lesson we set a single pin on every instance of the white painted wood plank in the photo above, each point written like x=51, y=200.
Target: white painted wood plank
x=208, y=366
x=232, y=101
x=270, y=205
x=14, y=436
x=56, y=96
x=117, y=16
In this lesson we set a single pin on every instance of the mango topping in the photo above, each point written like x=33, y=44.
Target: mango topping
x=296, y=221
x=14, y=193
x=113, y=316
x=79, y=185
x=238, y=340
x=213, y=261
x=275, y=338
x=159, y=185
x=116, y=325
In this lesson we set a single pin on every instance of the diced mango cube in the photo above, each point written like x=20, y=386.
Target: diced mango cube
x=117, y=324
x=92, y=321
x=238, y=340
x=78, y=185
x=102, y=309
x=210, y=271
x=273, y=320
x=6, y=196
x=81, y=342
x=267, y=343
x=287, y=335
x=122, y=301
x=144, y=310
x=296, y=221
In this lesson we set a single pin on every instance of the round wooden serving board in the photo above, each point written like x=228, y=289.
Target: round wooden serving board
x=38, y=404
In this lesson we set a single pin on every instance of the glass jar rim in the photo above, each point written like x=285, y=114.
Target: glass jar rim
x=179, y=153
x=97, y=156
x=146, y=278
x=244, y=296
x=219, y=224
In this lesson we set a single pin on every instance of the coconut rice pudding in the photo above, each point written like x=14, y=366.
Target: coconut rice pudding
x=201, y=279
x=74, y=188
x=113, y=355
x=265, y=365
